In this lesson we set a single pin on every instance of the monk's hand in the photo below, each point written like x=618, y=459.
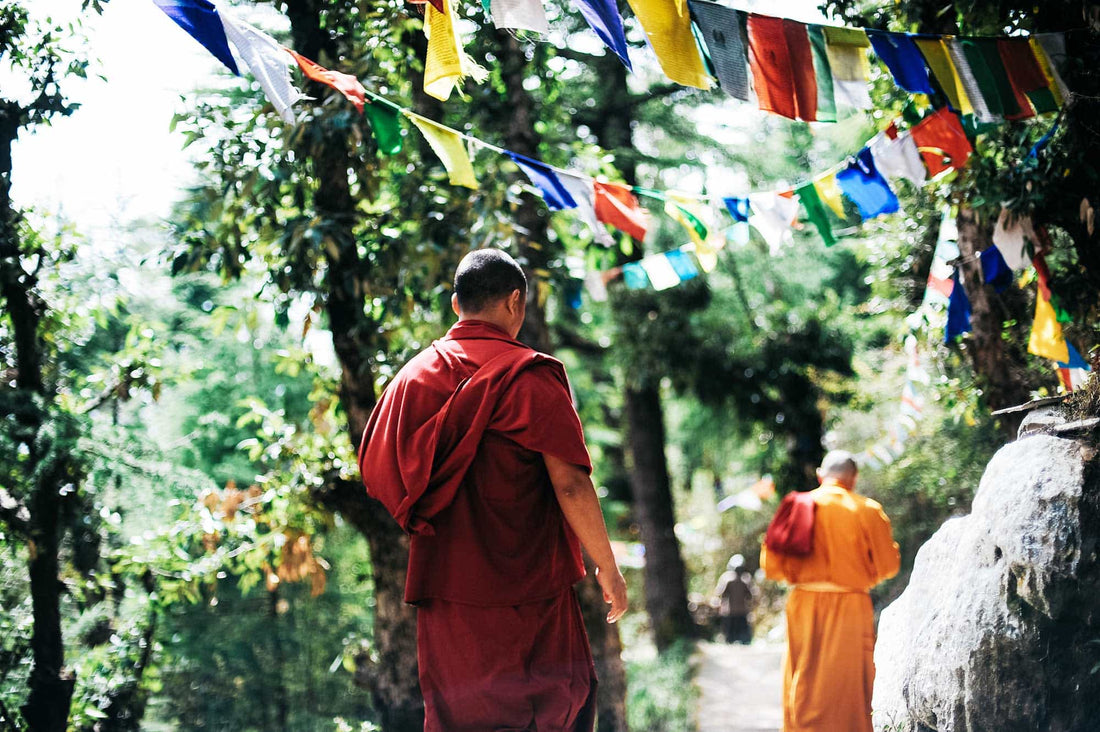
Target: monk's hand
x=614, y=592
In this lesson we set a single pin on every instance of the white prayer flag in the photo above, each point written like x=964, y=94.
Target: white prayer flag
x=584, y=194
x=1010, y=236
x=772, y=216
x=268, y=61
x=899, y=158
x=521, y=14
x=662, y=275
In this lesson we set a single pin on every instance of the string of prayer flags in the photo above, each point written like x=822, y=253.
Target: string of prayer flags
x=385, y=123
x=618, y=206
x=938, y=136
x=583, y=192
x=603, y=17
x=898, y=157
x=448, y=146
x=958, y=311
x=268, y=61
x=1046, y=338
x=782, y=67
x=346, y=84
x=988, y=70
x=721, y=29
x=937, y=56
x=815, y=211
x=546, y=180
x=669, y=32
x=446, y=63
x=846, y=50
x=772, y=217
x=865, y=186
x=202, y=22
x=520, y=15
x=903, y=59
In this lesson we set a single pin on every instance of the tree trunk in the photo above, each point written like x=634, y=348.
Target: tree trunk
x=665, y=580
x=1000, y=373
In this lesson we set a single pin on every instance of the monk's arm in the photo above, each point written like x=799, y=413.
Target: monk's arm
x=772, y=564
x=884, y=550
x=581, y=507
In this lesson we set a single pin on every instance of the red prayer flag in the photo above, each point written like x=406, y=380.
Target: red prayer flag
x=346, y=84
x=782, y=65
x=1023, y=71
x=942, y=134
x=437, y=4
x=616, y=205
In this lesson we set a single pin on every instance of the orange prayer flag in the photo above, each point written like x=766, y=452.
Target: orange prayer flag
x=942, y=134
x=346, y=84
x=618, y=206
x=781, y=60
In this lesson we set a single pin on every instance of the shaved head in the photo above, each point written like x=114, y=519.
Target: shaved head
x=485, y=276
x=840, y=465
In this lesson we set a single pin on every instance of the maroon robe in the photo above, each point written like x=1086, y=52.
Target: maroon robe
x=454, y=450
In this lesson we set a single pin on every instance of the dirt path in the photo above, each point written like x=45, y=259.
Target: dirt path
x=740, y=687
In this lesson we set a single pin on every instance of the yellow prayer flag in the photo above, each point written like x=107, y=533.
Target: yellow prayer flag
x=828, y=190
x=1046, y=332
x=669, y=32
x=446, y=63
x=447, y=144
x=1053, y=79
x=847, y=52
x=938, y=57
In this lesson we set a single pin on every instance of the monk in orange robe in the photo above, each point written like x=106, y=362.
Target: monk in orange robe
x=829, y=670
x=476, y=450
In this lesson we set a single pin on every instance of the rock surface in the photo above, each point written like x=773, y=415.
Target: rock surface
x=999, y=628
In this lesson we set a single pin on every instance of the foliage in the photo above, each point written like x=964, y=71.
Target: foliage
x=660, y=695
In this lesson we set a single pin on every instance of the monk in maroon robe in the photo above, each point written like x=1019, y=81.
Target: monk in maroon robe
x=476, y=450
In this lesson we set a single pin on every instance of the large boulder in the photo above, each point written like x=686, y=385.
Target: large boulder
x=999, y=628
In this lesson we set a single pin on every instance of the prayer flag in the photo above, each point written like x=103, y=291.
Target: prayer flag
x=346, y=84
x=846, y=49
x=958, y=311
x=1074, y=361
x=903, y=59
x=546, y=180
x=899, y=158
x=618, y=206
x=596, y=286
x=522, y=14
x=940, y=134
x=603, y=17
x=1026, y=75
x=583, y=193
x=385, y=123
x=1011, y=236
x=634, y=276
x=687, y=218
x=203, y=22
x=447, y=145
x=826, y=99
x=989, y=72
x=446, y=63
x=865, y=186
x=1046, y=332
x=772, y=216
x=828, y=190
x=738, y=208
x=1050, y=52
x=782, y=67
x=982, y=112
x=937, y=56
x=1073, y=379
x=267, y=60
x=815, y=210
x=720, y=27
x=661, y=273
x=669, y=32
x=994, y=269
x=682, y=262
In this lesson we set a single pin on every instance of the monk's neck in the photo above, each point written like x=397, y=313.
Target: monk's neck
x=486, y=320
x=830, y=483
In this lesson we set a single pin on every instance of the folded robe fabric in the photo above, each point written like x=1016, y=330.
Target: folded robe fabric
x=521, y=14
x=448, y=146
x=603, y=17
x=446, y=63
x=583, y=193
x=865, y=186
x=203, y=22
x=937, y=56
x=267, y=60
x=846, y=49
x=940, y=134
x=546, y=180
x=669, y=32
x=720, y=27
x=618, y=206
x=791, y=530
x=815, y=211
x=899, y=158
x=781, y=59
x=958, y=311
x=903, y=58
x=346, y=84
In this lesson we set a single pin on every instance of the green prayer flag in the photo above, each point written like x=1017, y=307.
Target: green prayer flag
x=385, y=122
x=1043, y=100
x=815, y=211
x=826, y=101
x=989, y=71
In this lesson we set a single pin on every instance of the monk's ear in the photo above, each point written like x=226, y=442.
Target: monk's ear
x=820, y=476
x=515, y=301
x=454, y=305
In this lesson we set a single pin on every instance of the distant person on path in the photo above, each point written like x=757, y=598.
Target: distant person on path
x=476, y=450
x=829, y=670
x=736, y=598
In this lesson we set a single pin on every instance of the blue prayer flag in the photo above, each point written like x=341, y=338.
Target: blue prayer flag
x=995, y=270
x=634, y=277
x=683, y=264
x=546, y=180
x=958, y=311
x=902, y=56
x=738, y=208
x=1075, y=360
x=861, y=182
x=603, y=16
x=200, y=18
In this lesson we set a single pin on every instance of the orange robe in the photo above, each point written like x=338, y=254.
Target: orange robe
x=829, y=670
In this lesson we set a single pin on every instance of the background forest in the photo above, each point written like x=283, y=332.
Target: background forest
x=184, y=539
